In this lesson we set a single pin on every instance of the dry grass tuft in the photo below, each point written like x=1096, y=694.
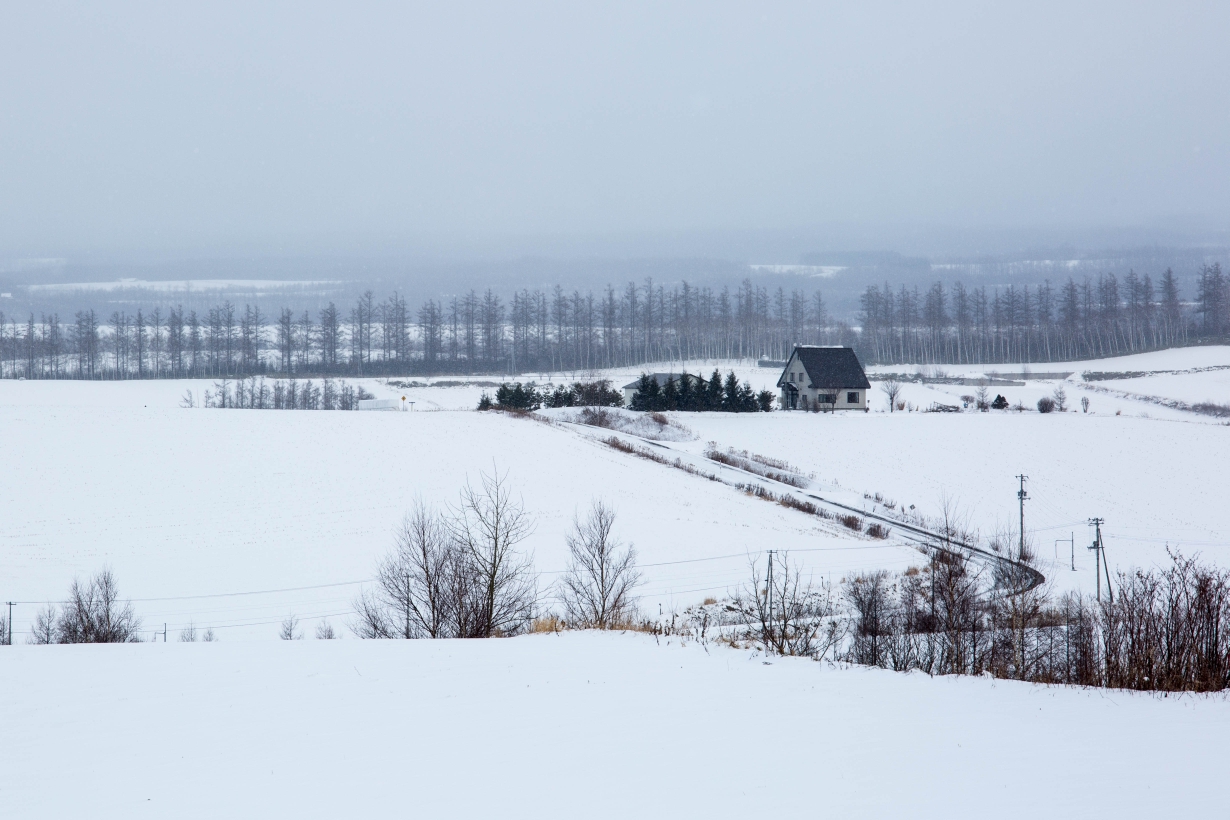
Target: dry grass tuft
x=548, y=623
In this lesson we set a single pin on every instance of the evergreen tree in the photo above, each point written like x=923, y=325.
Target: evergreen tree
x=713, y=392
x=670, y=396
x=687, y=397
x=731, y=398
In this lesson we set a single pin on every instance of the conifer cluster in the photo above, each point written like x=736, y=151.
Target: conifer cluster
x=694, y=393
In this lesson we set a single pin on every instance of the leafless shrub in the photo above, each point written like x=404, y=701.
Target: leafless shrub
x=1214, y=409
x=869, y=596
x=757, y=465
x=188, y=634
x=850, y=522
x=1046, y=405
x=324, y=631
x=93, y=613
x=877, y=530
x=790, y=614
x=209, y=636
x=1169, y=630
x=44, y=629
x=622, y=446
x=425, y=587
x=596, y=416
x=597, y=590
x=290, y=629
x=652, y=426
x=892, y=389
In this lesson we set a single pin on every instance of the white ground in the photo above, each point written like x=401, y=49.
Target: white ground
x=190, y=506
x=575, y=725
x=208, y=502
x=204, y=502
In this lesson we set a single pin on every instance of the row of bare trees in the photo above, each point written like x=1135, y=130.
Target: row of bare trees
x=1165, y=629
x=638, y=323
x=461, y=572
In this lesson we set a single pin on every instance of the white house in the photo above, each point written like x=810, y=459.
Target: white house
x=823, y=378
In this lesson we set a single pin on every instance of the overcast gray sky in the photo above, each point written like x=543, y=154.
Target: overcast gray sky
x=366, y=127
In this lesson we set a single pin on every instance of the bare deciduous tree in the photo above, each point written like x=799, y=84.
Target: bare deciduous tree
x=324, y=631
x=188, y=634
x=488, y=524
x=425, y=587
x=289, y=630
x=892, y=389
x=44, y=629
x=94, y=614
x=597, y=590
x=209, y=636
x=458, y=575
x=870, y=597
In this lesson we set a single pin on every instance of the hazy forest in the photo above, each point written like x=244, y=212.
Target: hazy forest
x=536, y=331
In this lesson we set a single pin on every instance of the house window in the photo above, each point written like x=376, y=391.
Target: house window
x=827, y=398
x=852, y=398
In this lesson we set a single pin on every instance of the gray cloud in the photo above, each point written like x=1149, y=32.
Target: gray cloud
x=305, y=127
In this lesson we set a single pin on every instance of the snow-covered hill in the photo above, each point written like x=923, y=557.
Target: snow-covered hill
x=575, y=725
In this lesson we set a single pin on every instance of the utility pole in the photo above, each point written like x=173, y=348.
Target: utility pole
x=1021, y=496
x=1099, y=553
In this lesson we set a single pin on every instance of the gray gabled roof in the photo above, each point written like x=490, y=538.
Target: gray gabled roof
x=660, y=378
x=830, y=367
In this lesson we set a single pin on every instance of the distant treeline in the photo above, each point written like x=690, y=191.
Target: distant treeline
x=638, y=324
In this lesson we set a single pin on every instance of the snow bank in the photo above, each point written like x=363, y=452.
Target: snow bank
x=575, y=725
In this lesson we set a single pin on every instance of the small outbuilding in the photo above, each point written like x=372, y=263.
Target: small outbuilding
x=820, y=377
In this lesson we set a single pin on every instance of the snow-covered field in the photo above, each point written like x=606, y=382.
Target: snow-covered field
x=576, y=725
x=234, y=519
x=189, y=506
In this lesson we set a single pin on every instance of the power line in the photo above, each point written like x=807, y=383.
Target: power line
x=223, y=594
